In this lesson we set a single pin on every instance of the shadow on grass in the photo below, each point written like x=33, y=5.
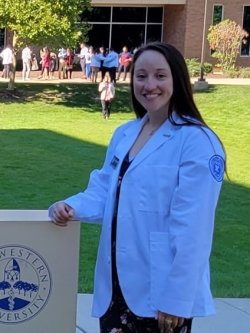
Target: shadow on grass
x=39, y=167
x=69, y=95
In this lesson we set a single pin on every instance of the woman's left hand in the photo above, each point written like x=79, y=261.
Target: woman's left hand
x=167, y=323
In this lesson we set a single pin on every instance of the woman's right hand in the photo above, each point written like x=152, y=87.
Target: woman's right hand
x=61, y=213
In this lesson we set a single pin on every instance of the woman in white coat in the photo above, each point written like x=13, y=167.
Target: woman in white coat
x=155, y=196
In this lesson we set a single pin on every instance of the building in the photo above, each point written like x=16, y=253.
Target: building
x=179, y=22
x=183, y=23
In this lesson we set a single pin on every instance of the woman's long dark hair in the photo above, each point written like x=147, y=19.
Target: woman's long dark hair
x=182, y=101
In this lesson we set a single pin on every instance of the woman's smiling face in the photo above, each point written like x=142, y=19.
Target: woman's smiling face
x=153, y=82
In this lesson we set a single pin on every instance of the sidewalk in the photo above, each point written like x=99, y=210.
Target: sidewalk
x=77, y=78
x=233, y=316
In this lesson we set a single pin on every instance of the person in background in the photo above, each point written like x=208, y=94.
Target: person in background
x=34, y=62
x=107, y=93
x=102, y=53
x=26, y=59
x=46, y=63
x=62, y=65
x=82, y=56
x=125, y=59
x=156, y=196
x=111, y=64
x=52, y=65
x=7, y=61
x=43, y=53
x=69, y=59
x=95, y=65
x=89, y=56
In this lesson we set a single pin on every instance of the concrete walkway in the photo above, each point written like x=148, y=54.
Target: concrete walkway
x=77, y=78
x=233, y=316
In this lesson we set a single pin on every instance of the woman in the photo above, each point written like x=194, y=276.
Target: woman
x=69, y=60
x=106, y=89
x=125, y=59
x=89, y=56
x=156, y=196
x=95, y=65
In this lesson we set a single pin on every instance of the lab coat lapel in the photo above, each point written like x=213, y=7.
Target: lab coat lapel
x=163, y=134
x=130, y=135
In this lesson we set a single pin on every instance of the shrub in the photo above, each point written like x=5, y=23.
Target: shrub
x=225, y=39
x=207, y=67
x=232, y=73
x=193, y=66
x=244, y=72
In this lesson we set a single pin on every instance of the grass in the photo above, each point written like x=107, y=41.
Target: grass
x=52, y=136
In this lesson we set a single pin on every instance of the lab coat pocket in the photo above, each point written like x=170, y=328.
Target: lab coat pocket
x=161, y=259
x=157, y=184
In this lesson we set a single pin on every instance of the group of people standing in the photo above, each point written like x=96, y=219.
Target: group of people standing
x=103, y=60
x=92, y=62
x=29, y=62
x=61, y=62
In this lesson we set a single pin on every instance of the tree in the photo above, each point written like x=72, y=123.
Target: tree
x=225, y=39
x=43, y=22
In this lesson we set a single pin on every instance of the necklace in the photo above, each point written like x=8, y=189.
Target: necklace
x=150, y=131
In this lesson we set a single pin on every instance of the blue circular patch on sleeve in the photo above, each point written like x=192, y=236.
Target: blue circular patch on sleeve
x=217, y=167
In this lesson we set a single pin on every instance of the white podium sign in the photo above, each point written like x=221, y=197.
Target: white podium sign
x=38, y=273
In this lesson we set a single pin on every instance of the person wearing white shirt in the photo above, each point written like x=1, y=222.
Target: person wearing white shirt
x=83, y=56
x=7, y=56
x=62, y=63
x=26, y=58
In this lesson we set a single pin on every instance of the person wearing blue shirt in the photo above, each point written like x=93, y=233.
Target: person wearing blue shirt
x=95, y=65
x=156, y=196
x=111, y=63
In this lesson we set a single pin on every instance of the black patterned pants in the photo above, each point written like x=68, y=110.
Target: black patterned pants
x=119, y=319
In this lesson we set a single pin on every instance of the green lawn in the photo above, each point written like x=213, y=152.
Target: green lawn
x=52, y=136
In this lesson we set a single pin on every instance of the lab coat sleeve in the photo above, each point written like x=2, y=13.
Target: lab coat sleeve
x=191, y=222
x=89, y=205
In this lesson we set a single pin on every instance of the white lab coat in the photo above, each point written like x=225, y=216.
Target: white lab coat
x=165, y=219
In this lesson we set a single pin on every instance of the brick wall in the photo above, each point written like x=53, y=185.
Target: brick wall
x=174, y=31
x=183, y=26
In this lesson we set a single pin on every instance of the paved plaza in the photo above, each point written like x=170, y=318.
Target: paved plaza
x=233, y=316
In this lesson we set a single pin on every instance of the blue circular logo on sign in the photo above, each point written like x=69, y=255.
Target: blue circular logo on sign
x=217, y=167
x=25, y=284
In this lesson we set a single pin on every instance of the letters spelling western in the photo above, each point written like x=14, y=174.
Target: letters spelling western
x=25, y=284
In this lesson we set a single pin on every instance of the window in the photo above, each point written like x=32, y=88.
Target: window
x=130, y=35
x=246, y=26
x=118, y=26
x=99, y=35
x=97, y=14
x=129, y=14
x=217, y=14
x=153, y=33
x=155, y=14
